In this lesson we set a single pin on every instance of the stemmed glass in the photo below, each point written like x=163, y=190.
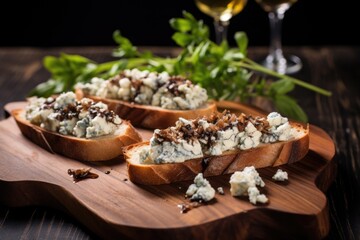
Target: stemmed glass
x=276, y=60
x=221, y=11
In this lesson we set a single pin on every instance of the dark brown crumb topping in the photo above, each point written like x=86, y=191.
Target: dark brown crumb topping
x=72, y=110
x=172, y=85
x=49, y=103
x=108, y=115
x=218, y=122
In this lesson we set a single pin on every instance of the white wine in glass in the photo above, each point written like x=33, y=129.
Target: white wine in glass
x=276, y=60
x=221, y=11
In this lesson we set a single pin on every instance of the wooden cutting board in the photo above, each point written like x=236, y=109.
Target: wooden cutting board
x=113, y=207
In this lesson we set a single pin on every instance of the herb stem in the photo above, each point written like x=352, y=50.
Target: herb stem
x=248, y=63
x=105, y=66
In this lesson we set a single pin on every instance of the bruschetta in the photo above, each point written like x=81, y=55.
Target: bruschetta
x=80, y=129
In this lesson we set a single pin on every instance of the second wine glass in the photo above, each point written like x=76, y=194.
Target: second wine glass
x=276, y=60
x=221, y=11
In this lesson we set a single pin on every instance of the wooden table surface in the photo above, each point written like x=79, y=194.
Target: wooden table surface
x=334, y=68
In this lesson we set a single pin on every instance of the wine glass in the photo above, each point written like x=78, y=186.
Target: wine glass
x=276, y=60
x=222, y=11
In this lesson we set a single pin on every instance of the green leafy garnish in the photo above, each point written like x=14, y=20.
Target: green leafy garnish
x=226, y=72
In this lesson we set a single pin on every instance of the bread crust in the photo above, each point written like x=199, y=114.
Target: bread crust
x=265, y=155
x=96, y=149
x=150, y=117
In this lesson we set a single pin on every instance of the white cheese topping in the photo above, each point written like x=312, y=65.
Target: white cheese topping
x=67, y=116
x=190, y=139
x=64, y=99
x=201, y=189
x=250, y=138
x=243, y=183
x=171, y=152
x=148, y=88
x=280, y=175
x=34, y=113
x=67, y=126
x=51, y=122
x=280, y=129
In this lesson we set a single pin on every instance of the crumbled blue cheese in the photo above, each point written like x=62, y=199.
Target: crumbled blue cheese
x=220, y=190
x=125, y=89
x=172, y=152
x=34, y=113
x=230, y=138
x=250, y=138
x=241, y=180
x=64, y=99
x=222, y=140
x=280, y=175
x=201, y=189
x=66, y=127
x=243, y=183
x=98, y=126
x=148, y=88
x=67, y=116
x=145, y=95
x=215, y=135
x=280, y=129
x=255, y=196
x=51, y=123
x=135, y=73
x=190, y=96
x=93, y=87
x=80, y=128
x=225, y=140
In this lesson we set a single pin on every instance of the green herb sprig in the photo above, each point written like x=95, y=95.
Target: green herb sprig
x=226, y=72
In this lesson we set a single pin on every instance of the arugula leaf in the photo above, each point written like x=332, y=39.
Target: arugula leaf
x=182, y=39
x=289, y=107
x=242, y=42
x=181, y=24
x=125, y=49
x=282, y=86
x=190, y=31
x=44, y=89
x=67, y=70
x=64, y=70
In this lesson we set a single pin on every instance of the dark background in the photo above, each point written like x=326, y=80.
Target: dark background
x=146, y=23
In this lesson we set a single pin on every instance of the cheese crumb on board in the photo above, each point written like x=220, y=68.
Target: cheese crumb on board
x=280, y=175
x=220, y=190
x=245, y=182
x=201, y=189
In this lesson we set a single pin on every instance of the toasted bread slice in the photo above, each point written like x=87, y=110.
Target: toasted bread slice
x=150, y=117
x=264, y=155
x=94, y=149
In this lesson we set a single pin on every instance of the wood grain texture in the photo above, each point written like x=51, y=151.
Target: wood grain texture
x=113, y=207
